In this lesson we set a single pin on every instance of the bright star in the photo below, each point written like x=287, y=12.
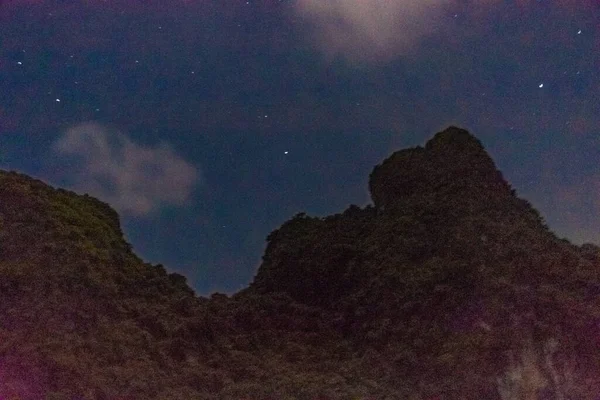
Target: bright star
x=541, y=85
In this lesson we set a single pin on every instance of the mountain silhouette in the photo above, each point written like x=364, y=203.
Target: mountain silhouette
x=449, y=286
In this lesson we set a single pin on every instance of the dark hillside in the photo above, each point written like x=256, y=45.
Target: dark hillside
x=448, y=286
x=450, y=274
x=74, y=299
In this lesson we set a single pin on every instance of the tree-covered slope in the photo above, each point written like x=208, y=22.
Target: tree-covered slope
x=449, y=285
x=81, y=317
x=74, y=299
x=451, y=275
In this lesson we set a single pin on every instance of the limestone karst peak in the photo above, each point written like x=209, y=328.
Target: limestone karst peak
x=452, y=163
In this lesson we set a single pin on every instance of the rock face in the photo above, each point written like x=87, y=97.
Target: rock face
x=444, y=200
x=453, y=163
x=447, y=254
x=448, y=286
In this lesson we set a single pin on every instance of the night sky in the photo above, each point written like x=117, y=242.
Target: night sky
x=207, y=124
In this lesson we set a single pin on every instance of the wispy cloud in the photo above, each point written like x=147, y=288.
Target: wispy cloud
x=364, y=30
x=133, y=178
x=378, y=30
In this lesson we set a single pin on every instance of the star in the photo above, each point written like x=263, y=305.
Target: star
x=541, y=85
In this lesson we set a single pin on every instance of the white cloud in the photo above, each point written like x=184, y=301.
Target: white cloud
x=133, y=178
x=367, y=30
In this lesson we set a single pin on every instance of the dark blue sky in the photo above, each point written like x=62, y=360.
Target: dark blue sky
x=208, y=124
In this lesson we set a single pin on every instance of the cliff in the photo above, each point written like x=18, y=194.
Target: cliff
x=449, y=285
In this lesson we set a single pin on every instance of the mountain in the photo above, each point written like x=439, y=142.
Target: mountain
x=449, y=287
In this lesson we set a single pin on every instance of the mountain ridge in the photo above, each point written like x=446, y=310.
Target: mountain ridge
x=449, y=285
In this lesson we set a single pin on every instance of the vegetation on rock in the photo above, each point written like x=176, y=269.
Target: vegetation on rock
x=449, y=285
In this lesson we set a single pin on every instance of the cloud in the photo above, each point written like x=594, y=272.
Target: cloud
x=379, y=30
x=366, y=30
x=133, y=178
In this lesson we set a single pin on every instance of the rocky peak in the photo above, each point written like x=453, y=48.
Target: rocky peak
x=453, y=164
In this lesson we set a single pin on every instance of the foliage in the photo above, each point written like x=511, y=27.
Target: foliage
x=449, y=286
